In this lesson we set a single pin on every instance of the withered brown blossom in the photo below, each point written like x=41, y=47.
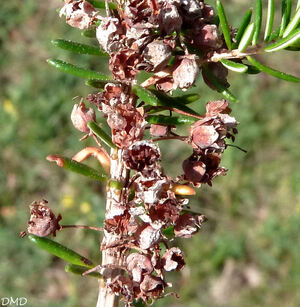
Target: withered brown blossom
x=43, y=221
x=81, y=115
x=79, y=13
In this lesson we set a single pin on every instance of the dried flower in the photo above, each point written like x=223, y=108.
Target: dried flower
x=81, y=115
x=152, y=286
x=79, y=13
x=169, y=18
x=188, y=224
x=141, y=156
x=109, y=34
x=123, y=64
x=157, y=55
x=147, y=236
x=186, y=72
x=138, y=265
x=43, y=221
x=173, y=259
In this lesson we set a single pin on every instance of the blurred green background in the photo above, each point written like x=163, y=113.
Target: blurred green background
x=247, y=254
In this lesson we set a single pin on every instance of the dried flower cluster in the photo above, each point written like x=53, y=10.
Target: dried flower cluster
x=158, y=37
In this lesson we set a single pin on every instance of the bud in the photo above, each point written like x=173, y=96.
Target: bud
x=80, y=116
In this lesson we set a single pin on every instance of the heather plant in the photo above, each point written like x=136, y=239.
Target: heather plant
x=171, y=43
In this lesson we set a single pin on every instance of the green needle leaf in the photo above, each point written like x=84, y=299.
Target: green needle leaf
x=273, y=72
x=270, y=19
x=101, y=4
x=90, y=33
x=60, y=251
x=79, y=270
x=286, y=8
x=234, y=66
x=145, y=95
x=252, y=70
x=219, y=86
x=76, y=71
x=77, y=167
x=284, y=42
x=170, y=120
x=168, y=101
x=292, y=24
x=257, y=21
x=187, y=99
x=224, y=24
x=78, y=47
x=98, y=83
x=245, y=22
x=247, y=37
x=105, y=138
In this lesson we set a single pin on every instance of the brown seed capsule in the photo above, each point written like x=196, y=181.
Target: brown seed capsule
x=80, y=116
x=43, y=221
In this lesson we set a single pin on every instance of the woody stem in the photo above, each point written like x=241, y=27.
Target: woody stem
x=112, y=256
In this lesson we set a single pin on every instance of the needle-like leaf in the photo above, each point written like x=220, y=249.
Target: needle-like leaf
x=145, y=95
x=247, y=37
x=60, y=251
x=90, y=33
x=77, y=167
x=170, y=120
x=79, y=270
x=234, y=66
x=284, y=42
x=257, y=21
x=273, y=72
x=78, y=47
x=98, y=83
x=286, y=8
x=293, y=24
x=270, y=19
x=76, y=71
x=101, y=4
x=224, y=24
x=105, y=138
x=245, y=22
x=220, y=87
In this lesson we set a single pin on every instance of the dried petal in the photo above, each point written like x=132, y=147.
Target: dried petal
x=186, y=226
x=43, y=221
x=139, y=265
x=193, y=170
x=152, y=284
x=186, y=72
x=79, y=13
x=169, y=18
x=215, y=107
x=204, y=136
x=80, y=116
x=109, y=33
x=147, y=236
x=157, y=54
x=173, y=259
